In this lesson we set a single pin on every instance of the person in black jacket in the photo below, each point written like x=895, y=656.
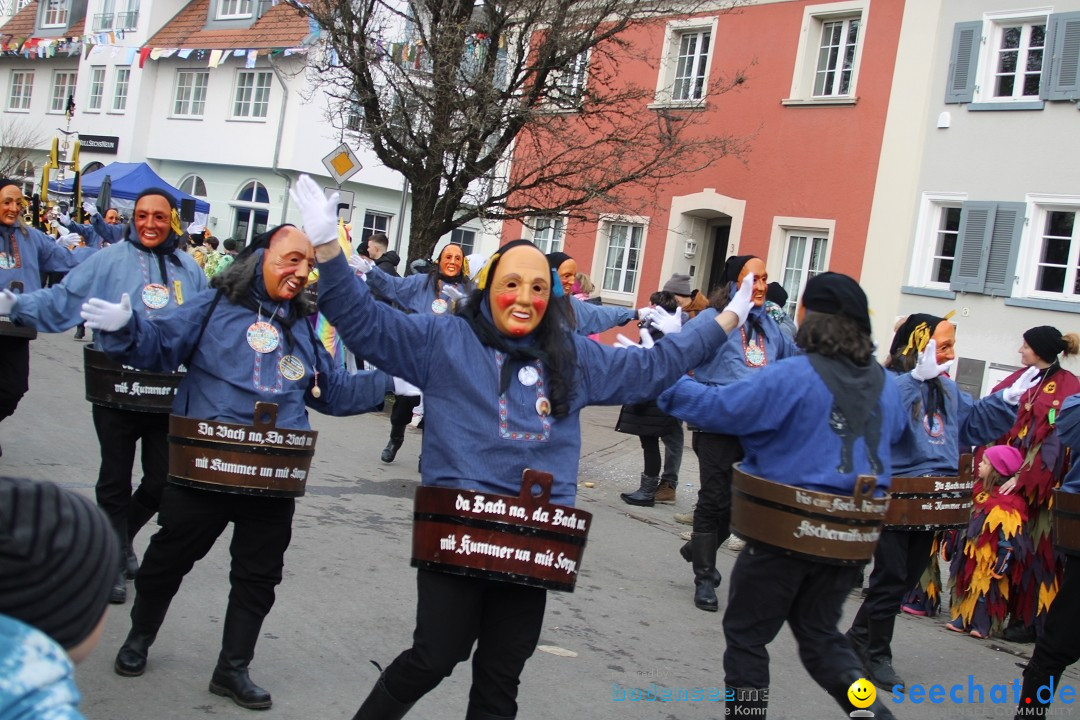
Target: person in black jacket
x=652, y=425
x=385, y=259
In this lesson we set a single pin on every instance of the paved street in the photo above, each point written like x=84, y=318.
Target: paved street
x=349, y=593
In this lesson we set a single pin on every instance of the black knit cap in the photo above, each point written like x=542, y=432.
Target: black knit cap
x=835, y=294
x=914, y=322
x=776, y=293
x=1046, y=341
x=4, y=182
x=556, y=259
x=734, y=265
x=59, y=556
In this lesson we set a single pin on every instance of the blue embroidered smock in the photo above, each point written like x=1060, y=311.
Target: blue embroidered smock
x=729, y=363
x=23, y=257
x=476, y=438
x=414, y=293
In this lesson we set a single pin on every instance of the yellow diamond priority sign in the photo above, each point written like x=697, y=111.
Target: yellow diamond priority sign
x=342, y=163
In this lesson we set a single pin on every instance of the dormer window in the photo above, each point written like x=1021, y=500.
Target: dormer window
x=233, y=9
x=54, y=13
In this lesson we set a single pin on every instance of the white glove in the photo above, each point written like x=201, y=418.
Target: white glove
x=622, y=342
x=89, y=208
x=103, y=315
x=8, y=300
x=743, y=300
x=360, y=264
x=69, y=240
x=401, y=387
x=926, y=367
x=64, y=219
x=1022, y=384
x=319, y=212
x=645, y=312
x=665, y=322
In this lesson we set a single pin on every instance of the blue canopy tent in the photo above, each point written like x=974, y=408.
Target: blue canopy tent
x=128, y=180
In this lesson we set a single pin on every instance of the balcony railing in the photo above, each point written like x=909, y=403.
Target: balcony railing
x=103, y=22
x=127, y=20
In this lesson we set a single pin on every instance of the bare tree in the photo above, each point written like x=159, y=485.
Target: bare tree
x=444, y=90
x=19, y=141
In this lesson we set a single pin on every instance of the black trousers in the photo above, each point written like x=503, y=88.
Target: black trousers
x=454, y=612
x=767, y=589
x=900, y=558
x=401, y=415
x=118, y=431
x=716, y=454
x=1058, y=646
x=191, y=521
x=14, y=373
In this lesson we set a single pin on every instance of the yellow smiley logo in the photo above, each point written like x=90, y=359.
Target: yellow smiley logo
x=861, y=693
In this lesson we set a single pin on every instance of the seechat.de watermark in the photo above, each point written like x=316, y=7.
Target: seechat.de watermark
x=1008, y=695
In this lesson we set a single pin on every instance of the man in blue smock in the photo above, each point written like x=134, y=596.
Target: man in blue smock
x=245, y=342
x=151, y=268
x=504, y=381
x=25, y=253
x=831, y=417
x=108, y=227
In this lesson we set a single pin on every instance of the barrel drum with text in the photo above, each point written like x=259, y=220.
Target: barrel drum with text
x=1066, y=522
x=121, y=387
x=523, y=539
x=931, y=503
x=823, y=527
x=256, y=459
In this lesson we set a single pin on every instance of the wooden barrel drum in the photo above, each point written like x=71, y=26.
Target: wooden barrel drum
x=931, y=503
x=122, y=387
x=257, y=459
x=523, y=539
x=834, y=529
x=1066, y=522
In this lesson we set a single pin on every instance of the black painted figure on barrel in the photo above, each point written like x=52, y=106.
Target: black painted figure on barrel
x=504, y=382
x=790, y=440
x=941, y=423
x=248, y=341
x=150, y=268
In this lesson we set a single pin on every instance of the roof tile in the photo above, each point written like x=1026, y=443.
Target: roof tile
x=280, y=26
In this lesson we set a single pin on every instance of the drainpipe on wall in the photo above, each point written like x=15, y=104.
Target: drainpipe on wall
x=280, y=132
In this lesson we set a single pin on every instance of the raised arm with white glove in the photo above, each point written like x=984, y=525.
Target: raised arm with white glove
x=103, y=315
x=8, y=300
x=622, y=342
x=741, y=303
x=69, y=240
x=927, y=367
x=89, y=208
x=360, y=264
x=1027, y=380
x=667, y=323
x=318, y=212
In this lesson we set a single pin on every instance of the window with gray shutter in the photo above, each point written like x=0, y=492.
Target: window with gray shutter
x=989, y=240
x=1061, y=81
x=960, y=87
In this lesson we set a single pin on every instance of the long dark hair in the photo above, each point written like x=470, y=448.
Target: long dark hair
x=435, y=275
x=834, y=336
x=236, y=281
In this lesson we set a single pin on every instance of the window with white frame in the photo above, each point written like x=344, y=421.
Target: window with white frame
x=22, y=85
x=251, y=212
x=548, y=233
x=54, y=13
x=466, y=239
x=804, y=257
x=622, y=261
x=63, y=88
x=568, y=84
x=193, y=185
x=942, y=246
x=1055, y=274
x=97, y=88
x=252, y=94
x=229, y=9
x=375, y=222
x=120, y=92
x=829, y=52
x=1014, y=59
x=190, y=98
x=685, y=64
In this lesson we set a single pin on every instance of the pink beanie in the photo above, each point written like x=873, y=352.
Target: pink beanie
x=1005, y=459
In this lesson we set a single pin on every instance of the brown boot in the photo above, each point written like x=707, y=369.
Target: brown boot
x=665, y=493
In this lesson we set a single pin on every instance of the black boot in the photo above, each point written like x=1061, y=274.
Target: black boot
x=685, y=551
x=230, y=677
x=1036, y=677
x=381, y=705
x=858, y=636
x=746, y=702
x=879, y=655
x=643, y=496
x=397, y=438
x=146, y=618
x=474, y=714
x=706, y=576
x=839, y=692
x=118, y=594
